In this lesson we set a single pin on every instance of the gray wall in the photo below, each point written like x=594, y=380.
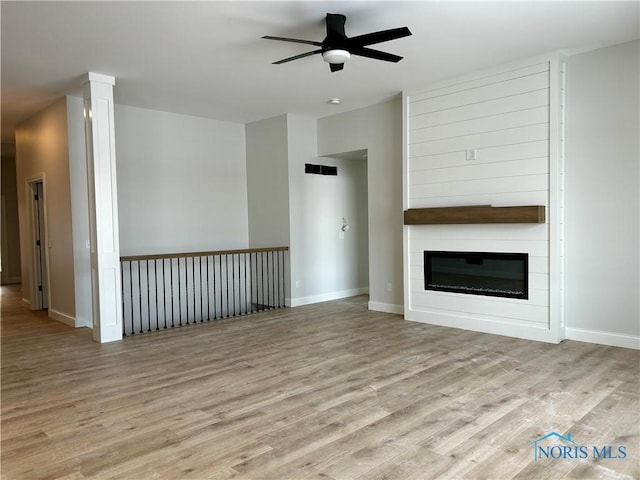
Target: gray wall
x=79, y=212
x=602, y=193
x=267, y=182
x=42, y=149
x=181, y=182
x=377, y=129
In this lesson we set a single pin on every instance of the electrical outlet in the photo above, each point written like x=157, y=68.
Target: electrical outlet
x=389, y=287
x=297, y=283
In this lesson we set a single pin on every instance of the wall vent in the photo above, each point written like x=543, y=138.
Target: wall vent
x=320, y=169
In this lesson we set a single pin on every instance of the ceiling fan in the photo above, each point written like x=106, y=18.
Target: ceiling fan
x=337, y=48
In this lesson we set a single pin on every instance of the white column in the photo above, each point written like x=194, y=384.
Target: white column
x=103, y=207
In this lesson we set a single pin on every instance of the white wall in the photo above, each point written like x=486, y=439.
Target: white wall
x=377, y=129
x=181, y=182
x=325, y=265
x=42, y=150
x=267, y=183
x=603, y=196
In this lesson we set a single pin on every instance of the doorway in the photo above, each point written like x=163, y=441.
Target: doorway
x=352, y=201
x=39, y=262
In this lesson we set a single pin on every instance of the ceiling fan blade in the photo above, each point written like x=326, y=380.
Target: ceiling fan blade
x=294, y=40
x=336, y=38
x=336, y=66
x=302, y=55
x=379, y=37
x=376, y=54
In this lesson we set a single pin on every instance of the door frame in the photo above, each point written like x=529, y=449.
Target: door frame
x=38, y=302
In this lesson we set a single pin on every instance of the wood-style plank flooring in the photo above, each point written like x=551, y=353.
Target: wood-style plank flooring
x=327, y=391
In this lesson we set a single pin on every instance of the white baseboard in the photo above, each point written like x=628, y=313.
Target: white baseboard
x=27, y=301
x=62, y=317
x=603, y=338
x=386, y=307
x=83, y=322
x=325, y=297
x=483, y=324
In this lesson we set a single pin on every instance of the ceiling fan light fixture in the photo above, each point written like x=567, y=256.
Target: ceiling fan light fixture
x=336, y=56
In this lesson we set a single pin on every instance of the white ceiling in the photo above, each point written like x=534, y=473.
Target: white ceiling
x=207, y=58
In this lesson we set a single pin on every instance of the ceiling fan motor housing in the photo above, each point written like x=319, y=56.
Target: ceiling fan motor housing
x=334, y=46
x=336, y=39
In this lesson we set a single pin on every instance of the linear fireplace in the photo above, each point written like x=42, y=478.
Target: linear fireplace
x=477, y=273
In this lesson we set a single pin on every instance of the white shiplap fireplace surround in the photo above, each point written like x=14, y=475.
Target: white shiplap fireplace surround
x=491, y=138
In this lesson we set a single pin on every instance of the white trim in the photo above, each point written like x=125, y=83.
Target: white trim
x=483, y=325
x=62, y=317
x=386, y=307
x=604, y=338
x=556, y=199
x=406, y=243
x=98, y=77
x=27, y=301
x=106, y=290
x=405, y=151
x=325, y=297
x=83, y=322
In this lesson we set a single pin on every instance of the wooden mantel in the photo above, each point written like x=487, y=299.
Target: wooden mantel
x=474, y=214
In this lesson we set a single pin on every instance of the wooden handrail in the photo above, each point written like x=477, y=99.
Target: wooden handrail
x=133, y=258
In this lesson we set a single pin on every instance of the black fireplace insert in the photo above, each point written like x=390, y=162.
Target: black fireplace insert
x=477, y=273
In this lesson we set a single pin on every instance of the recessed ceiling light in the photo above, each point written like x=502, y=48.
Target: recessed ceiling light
x=334, y=101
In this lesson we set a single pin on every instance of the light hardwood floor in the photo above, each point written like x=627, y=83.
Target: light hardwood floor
x=328, y=391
